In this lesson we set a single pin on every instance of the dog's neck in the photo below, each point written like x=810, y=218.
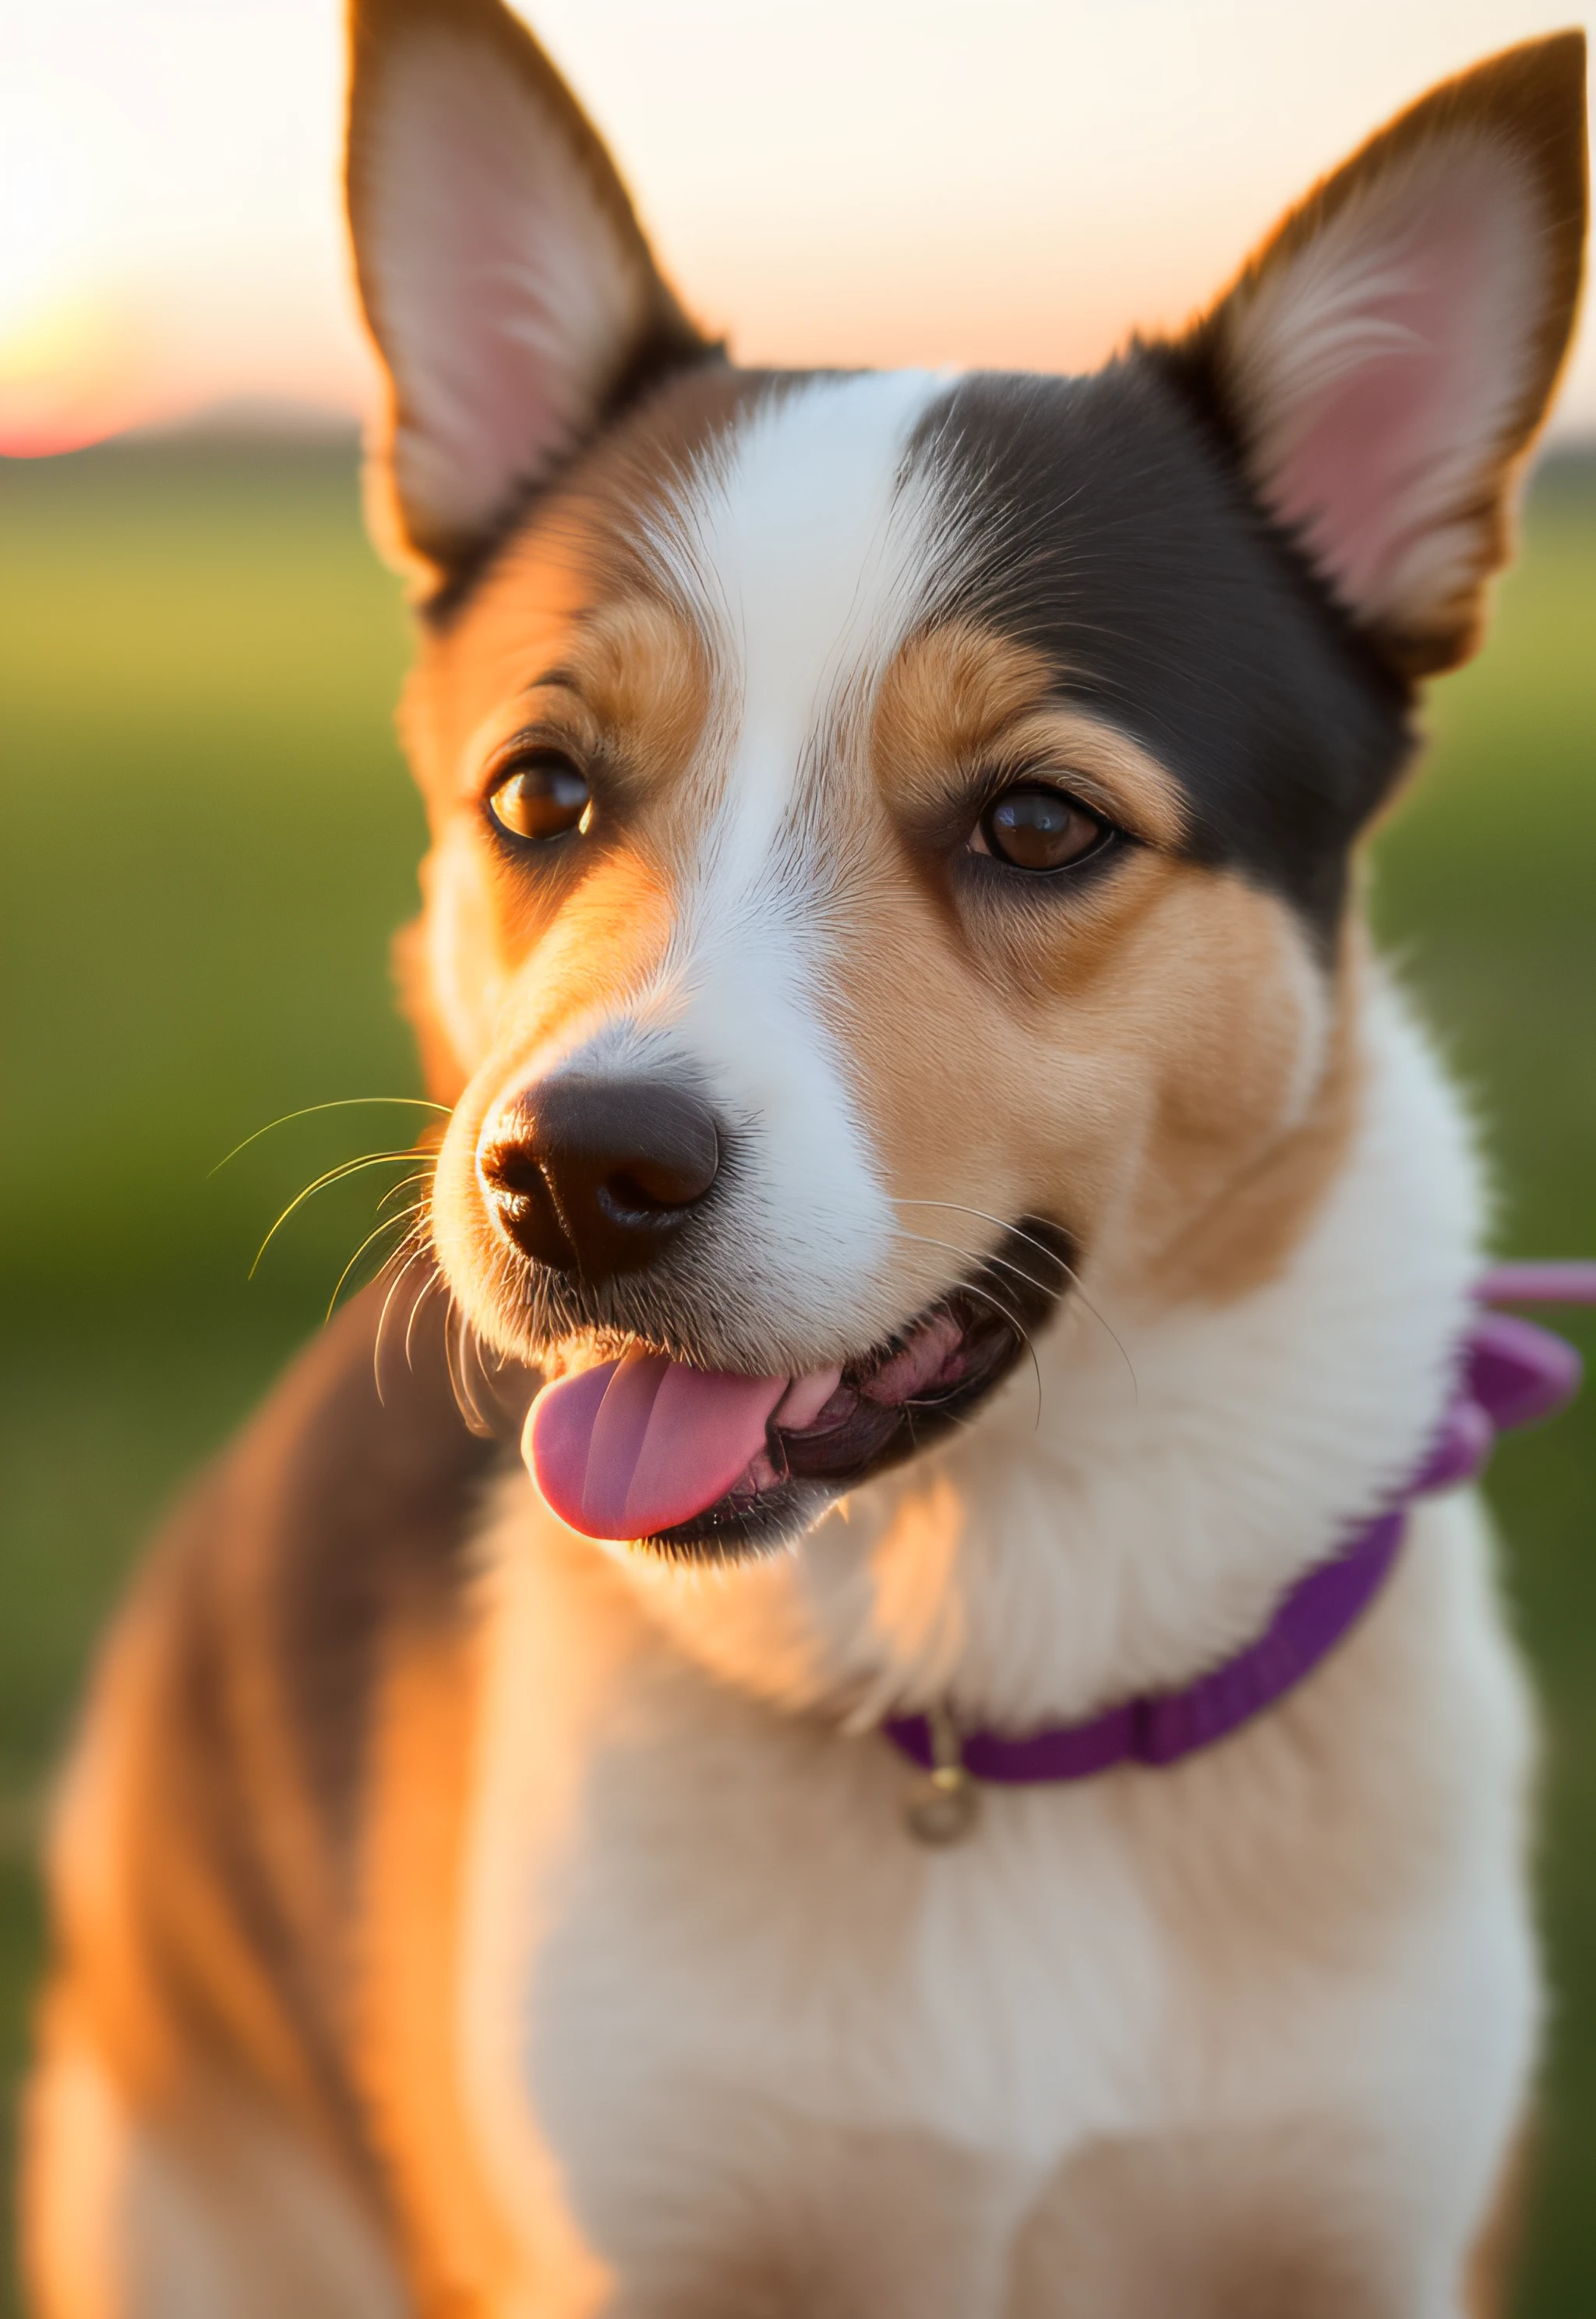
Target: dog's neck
x=1129, y=1511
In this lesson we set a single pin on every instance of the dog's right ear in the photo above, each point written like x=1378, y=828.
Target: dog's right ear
x=506, y=281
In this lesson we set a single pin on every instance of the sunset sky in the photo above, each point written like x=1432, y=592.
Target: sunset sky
x=1011, y=182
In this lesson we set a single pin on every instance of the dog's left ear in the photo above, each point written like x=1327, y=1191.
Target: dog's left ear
x=505, y=278
x=1383, y=361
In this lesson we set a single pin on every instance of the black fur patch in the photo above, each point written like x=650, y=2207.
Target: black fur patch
x=1104, y=525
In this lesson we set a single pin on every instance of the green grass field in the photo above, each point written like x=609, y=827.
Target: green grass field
x=208, y=839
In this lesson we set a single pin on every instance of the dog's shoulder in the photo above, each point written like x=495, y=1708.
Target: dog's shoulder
x=340, y=1517
x=208, y=1865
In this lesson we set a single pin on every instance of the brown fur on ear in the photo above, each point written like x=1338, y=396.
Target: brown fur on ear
x=509, y=290
x=1383, y=362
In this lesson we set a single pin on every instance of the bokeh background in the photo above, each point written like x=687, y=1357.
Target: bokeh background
x=206, y=837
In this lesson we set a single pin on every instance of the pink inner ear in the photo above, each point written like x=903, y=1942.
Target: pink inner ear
x=505, y=291
x=1390, y=360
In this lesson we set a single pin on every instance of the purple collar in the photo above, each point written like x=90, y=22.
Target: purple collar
x=1510, y=1374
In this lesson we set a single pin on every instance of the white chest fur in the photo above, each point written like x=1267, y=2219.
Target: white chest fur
x=702, y=1948
x=700, y=1952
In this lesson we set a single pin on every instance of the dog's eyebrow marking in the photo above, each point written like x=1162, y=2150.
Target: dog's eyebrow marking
x=960, y=699
x=1106, y=766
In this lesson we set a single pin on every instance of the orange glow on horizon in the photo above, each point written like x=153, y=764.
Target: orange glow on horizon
x=1015, y=186
x=66, y=377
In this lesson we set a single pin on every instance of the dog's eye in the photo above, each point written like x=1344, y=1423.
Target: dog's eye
x=541, y=796
x=1031, y=827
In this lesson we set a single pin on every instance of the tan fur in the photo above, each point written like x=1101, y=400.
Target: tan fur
x=338, y=1824
x=1493, y=2262
x=217, y=2212
x=1242, y=1237
x=415, y=1812
x=176, y=1989
x=1205, y=1091
x=959, y=701
x=1156, y=1111
x=198, y=2030
x=74, y=2124
x=1161, y=1047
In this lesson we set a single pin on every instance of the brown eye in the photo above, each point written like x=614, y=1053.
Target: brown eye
x=1036, y=828
x=542, y=796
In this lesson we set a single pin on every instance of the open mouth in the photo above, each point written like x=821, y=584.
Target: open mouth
x=704, y=1463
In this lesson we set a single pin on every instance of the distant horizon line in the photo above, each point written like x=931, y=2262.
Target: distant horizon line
x=288, y=420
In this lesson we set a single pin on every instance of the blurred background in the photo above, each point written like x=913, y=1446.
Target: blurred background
x=208, y=836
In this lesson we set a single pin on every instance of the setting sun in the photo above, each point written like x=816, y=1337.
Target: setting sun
x=1017, y=185
x=65, y=377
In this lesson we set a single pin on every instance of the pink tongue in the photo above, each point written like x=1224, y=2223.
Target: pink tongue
x=637, y=1444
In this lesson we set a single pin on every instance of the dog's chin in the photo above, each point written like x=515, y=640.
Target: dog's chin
x=887, y=1405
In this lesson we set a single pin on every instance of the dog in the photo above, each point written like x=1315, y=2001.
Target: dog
x=971, y=1228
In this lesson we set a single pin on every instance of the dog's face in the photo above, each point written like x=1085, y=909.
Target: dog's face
x=892, y=834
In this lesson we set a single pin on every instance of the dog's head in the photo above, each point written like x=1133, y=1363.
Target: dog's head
x=892, y=833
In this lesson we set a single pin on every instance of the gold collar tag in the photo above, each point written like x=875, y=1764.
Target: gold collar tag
x=943, y=1806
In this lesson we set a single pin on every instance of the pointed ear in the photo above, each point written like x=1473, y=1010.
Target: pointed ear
x=506, y=281
x=1385, y=360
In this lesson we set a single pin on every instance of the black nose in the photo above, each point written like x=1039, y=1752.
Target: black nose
x=594, y=1176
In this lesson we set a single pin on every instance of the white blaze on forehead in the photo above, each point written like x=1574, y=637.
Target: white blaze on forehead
x=803, y=554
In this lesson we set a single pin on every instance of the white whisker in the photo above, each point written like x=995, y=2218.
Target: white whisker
x=996, y=1301
x=959, y=1207
x=420, y=1250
